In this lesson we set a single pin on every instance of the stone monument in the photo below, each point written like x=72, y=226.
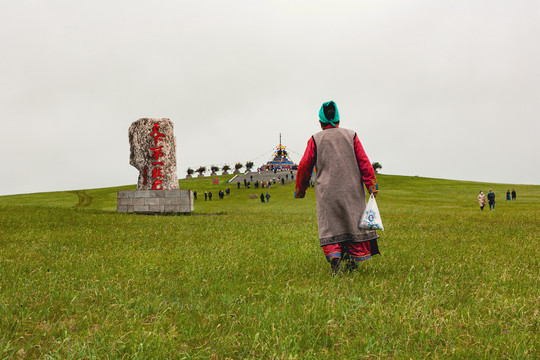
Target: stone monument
x=153, y=153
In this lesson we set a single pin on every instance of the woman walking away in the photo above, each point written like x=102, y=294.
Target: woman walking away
x=343, y=169
x=482, y=200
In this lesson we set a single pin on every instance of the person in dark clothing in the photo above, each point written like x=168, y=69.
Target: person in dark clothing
x=513, y=194
x=267, y=197
x=491, y=199
x=227, y=191
x=262, y=197
x=205, y=195
x=508, y=198
x=238, y=183
x=209, y=196
x=195, y=195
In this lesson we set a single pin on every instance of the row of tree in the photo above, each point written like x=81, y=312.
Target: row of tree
x=249, y=165
x=225, y=168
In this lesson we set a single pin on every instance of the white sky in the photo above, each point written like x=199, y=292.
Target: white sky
x=445, y=89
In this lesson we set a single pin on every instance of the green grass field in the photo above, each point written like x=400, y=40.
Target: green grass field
x=239, y=279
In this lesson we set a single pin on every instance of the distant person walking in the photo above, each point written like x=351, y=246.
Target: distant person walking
x=267, y=197
x=508, y=197
x=205, y=195
x=482, y=200
x=343, y=169
x=513, y=194
x=209, y=196
x=491, y=199
x=262, y=197
x=195, y=195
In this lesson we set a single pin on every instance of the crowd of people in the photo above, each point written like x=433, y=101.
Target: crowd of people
x=248, y=183
x=510, y=196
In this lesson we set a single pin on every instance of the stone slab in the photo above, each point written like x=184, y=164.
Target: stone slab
x=156, y=208
x=125, y=201
x=141, y=193
x=138, y=201
x=140, y=208
x=125, y=194
x=171, y=201
x=152, y=201
x=155, y=201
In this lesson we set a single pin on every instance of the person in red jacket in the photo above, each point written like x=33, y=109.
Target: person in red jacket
x=343, y=169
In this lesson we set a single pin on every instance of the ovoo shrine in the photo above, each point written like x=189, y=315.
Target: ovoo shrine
x=280, y=159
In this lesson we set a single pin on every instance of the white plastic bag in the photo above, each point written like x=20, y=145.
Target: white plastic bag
x=371, y=219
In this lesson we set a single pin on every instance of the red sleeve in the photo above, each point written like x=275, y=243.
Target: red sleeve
x=305, y=168
x=366, y=169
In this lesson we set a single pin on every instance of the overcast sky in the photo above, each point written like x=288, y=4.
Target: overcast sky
x=444, y=89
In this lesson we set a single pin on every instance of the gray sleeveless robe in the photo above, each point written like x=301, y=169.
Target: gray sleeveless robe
x=341, y=198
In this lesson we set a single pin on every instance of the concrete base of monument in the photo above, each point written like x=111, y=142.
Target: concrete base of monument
x=155, y=201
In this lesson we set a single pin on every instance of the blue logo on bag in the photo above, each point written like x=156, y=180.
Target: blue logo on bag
x=370, y=216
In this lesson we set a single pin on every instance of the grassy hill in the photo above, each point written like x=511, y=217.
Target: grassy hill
x=241, y=279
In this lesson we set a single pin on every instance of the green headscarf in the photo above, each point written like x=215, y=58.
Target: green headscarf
x=329, y=113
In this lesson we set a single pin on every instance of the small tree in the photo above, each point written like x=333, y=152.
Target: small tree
x=376, y=167
x=201, y=170
x=190, y=172
x=214, y=168
x=249, y=165
x=237, y=167
x=225, y=169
